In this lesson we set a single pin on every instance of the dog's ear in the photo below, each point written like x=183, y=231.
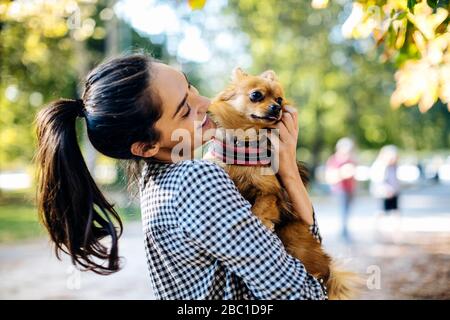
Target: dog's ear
x=227, y=94
x=238, y=74
x=269, y=75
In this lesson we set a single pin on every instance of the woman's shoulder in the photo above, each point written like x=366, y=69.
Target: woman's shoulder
x=197, y=170
x=171, y=184
x=185, y=169
x=201, y=164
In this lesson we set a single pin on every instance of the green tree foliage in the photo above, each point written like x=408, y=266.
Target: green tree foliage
x=46, y=49
x=339, y=85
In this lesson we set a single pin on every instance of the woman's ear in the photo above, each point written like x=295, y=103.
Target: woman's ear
x=145, y=150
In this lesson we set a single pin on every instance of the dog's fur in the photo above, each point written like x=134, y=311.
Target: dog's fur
x=233, y=109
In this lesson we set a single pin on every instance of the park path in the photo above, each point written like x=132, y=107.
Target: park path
x=411, y=255
x=30, y=270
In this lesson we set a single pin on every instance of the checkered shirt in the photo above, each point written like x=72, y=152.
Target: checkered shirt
x=203, y=242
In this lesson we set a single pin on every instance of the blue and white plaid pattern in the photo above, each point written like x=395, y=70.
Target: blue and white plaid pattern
x=203, y=242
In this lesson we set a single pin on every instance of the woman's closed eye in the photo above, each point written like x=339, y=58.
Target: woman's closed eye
x=187, y=112
x=191, y=88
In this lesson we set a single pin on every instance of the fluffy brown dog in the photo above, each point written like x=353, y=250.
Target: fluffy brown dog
x=256, y=102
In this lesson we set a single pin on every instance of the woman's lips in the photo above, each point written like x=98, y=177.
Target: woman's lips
x=205, y=121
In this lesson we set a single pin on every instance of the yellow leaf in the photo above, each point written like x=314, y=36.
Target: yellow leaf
x=319, y=4
x=400, y=28
x=196, y=4
x=425, y=20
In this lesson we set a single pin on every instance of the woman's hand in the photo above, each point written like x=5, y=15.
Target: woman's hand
x=286, y=146
x=287, y=143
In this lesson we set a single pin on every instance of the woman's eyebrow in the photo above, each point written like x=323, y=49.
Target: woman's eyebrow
x=187, y=80
x=184, y=99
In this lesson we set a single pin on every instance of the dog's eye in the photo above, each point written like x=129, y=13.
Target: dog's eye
x=256, y=96
x=279, y=100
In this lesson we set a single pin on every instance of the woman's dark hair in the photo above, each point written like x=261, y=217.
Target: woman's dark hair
x=119, y=109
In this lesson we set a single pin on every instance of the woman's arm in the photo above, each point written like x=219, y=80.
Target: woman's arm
x=302, y=203
x=215, y=217
x=299, y=196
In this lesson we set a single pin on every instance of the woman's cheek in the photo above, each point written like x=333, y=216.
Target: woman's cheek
x=187, y=128
x=193, y=123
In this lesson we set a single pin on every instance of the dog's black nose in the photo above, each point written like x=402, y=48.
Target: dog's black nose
x=274, y=109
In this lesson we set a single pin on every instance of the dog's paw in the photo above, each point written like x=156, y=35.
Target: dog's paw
x=269, y=224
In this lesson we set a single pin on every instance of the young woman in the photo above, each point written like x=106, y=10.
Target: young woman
x=384, y=182
x=201, y=239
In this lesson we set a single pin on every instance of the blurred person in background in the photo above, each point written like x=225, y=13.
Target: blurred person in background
x=384, y=182
x=340, y=174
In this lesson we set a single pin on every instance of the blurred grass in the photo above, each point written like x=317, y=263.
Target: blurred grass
x=19, y=221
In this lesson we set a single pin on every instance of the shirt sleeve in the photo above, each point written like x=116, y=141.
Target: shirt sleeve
x=214, y=216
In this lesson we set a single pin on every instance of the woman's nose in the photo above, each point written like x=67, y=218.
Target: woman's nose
x=204, y=103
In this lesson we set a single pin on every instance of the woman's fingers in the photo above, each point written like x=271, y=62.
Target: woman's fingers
x=288, y=121
x=284, y=131
x=288, y=126
x=293, y=112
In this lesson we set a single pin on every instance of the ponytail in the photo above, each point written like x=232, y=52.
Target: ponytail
x=70, y=205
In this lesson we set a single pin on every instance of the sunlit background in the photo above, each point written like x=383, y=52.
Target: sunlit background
x=375, y=71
